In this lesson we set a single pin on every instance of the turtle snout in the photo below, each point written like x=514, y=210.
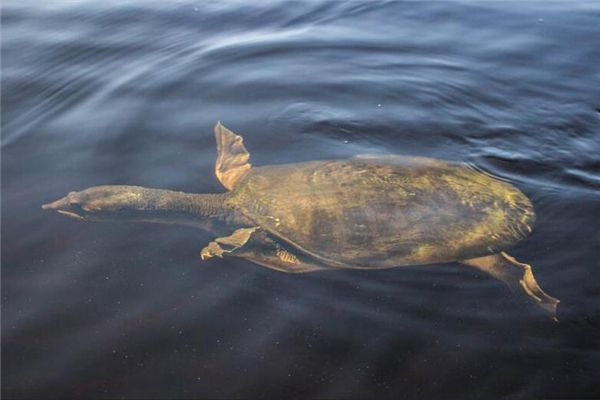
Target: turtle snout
x=69, y=205
x=60, y=204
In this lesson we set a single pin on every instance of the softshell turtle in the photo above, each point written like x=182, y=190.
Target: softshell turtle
x=364, y=212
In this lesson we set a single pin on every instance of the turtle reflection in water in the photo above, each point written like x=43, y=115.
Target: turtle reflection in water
x=366, y=212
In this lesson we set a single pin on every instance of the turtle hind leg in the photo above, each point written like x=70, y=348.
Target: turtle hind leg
x=518, y=276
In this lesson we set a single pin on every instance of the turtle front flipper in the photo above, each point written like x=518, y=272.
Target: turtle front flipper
x=232, y=157
x=255, y=245
x=227, y=244
x=518, y=276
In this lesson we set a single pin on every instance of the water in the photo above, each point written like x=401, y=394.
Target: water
x=106, y=93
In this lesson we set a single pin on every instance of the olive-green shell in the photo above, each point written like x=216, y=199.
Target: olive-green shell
x=384, y=212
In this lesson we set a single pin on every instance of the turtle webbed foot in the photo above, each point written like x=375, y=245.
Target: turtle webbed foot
x=518, y=276
x=227, y=244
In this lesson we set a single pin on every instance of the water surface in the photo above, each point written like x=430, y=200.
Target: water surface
x=107, y=93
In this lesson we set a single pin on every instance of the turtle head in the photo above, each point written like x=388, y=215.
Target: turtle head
x=101, y=203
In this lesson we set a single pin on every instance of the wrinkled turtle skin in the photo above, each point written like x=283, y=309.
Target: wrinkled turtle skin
x=387, y=211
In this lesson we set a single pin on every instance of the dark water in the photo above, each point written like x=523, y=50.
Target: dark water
x=105, y=93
